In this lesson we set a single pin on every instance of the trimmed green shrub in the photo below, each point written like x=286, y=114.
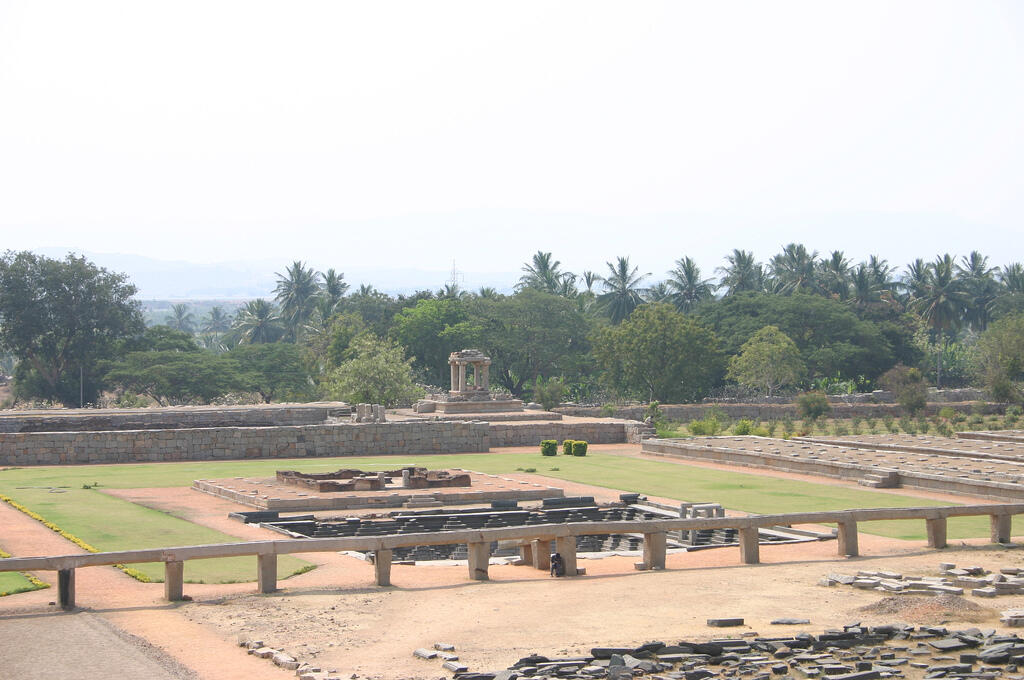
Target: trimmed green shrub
x=708, y=427
x=743, y=427
x=761, y=432
x=549, y=447
x=947, y=412
x=567, y=447
x=579, y=448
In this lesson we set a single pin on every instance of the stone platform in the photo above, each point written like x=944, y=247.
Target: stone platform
x=269, y=494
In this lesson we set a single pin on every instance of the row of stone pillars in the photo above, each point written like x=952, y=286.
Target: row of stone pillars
x=481, y=374
x=536, y=553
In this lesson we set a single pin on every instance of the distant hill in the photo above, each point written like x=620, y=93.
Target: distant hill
x=226, y=281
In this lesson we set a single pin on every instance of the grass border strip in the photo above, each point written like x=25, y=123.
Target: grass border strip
x=134, y=573
x=39, y=585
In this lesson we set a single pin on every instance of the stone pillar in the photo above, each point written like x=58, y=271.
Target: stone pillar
x=382, y=567
x=174, y=580
x=1000, y=528
x=566, y=547
x=936, y=532
x=266, y=573
x=406, y=476
x=654, y=550
x=66, y=588
x=479, y=557
x=455, y=376
x=541, y=554
x=487, y=377
x=526, y=553
x=750, y=549
x=847, y=538
x=462, y=377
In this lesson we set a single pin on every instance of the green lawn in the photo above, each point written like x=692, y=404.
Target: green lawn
x=109, y=523
x=142, y=527
x=12, y=582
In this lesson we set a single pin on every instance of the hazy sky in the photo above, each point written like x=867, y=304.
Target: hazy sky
x=394, y=134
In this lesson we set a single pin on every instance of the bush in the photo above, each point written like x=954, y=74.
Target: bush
x=743, y=427
x=1014, y=410
x=947, y=412
x=907, y=425
x=839, y=429
x=567, y=447
x=890, y=424
x=770, y=429
x=607, y=410
x=761, y=432
x=908, y=386
x=549, y=447
x=959, y=417
x=708, y=427
x=813, y=405
x=579, y=448
x=548, y=393
x=944, y=430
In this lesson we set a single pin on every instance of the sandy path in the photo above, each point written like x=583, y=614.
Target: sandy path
x=334, y=616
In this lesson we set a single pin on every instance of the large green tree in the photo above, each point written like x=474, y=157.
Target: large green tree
x=61, y=318
x=830, y=336
x=659, y=354
x=768, y=360
x=276, y=371
x=528, y=335
x=173, y=377
x=377, y=373
x=428, y=331
x=1000, y=355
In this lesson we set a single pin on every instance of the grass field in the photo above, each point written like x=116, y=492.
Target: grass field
x=12, y=582
x=738, y=491
x=109, y=523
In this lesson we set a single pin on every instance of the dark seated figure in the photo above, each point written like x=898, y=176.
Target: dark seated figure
x=557, y=565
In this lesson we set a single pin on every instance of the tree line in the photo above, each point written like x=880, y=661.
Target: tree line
x=799, y=321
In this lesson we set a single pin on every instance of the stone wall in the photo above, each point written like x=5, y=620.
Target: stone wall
x=77, y=420
x=687, y=412
x=531, y=434
x=140, y=446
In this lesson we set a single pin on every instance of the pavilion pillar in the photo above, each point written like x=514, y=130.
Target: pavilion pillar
x=174, y=581
x=526, y=553
x=455, y=376
x=66, y=588
x=487, y=377
x=462, y=377
x=936, y=532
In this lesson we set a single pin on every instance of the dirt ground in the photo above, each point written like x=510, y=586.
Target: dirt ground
x=336, y=618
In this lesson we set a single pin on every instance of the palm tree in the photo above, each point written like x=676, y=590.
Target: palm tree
x=257, y=322
x=334, y=287
x=742, y=273
x=864, y=286
x=687, y=288
x=659, y=292
x=793, y=269
x=980, y=286
x=216, y=321
x=541, y=273
x=941, y=301
x=567, y=286
x=487, y=293
x=589, y=279
x=1012, y=278
x=451, y=291
x=295, y=292
x=622, y=288
x=834, y=275
x=181, y=319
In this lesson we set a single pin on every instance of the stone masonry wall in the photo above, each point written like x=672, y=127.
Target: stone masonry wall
x=78, y=420
x=687, y=412
x=138, y=446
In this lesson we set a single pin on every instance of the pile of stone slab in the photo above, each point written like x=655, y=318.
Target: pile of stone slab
x=854, y=652
x=976, y=580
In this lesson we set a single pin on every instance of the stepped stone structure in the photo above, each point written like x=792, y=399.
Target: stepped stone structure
x=471, y=388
